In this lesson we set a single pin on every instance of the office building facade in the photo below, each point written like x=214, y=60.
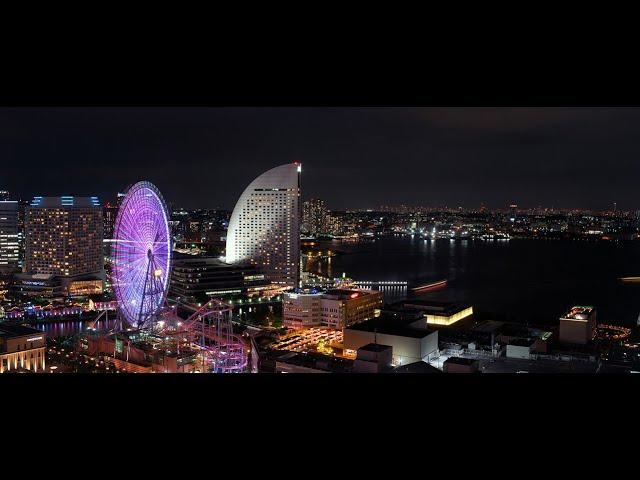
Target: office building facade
x=336, y=308
x=64, y=236
x=63, y=248
x=202, y=277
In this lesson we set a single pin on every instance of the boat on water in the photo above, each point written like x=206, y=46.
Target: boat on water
x=629, y=279
x=429, y=286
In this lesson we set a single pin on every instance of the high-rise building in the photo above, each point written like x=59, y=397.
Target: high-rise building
x=22, y=211
x=334, y=223
x=314, y=216
x=264, y=229
x=109, y=213
x=9, y=235
x=64, y=239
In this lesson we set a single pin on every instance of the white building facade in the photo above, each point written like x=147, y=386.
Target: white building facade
x=264, y=229
x=302, y=311
x=335, y=309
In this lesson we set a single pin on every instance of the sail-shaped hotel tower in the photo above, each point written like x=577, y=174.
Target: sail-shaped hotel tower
x=264, y=229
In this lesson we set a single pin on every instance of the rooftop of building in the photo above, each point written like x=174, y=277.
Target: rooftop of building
x=521, y=342
x=313, y=360
x=332, y=293
x=194, y=259
x=9, y=330
x=489, y=326
x=515, y=330
x=348, y=293
x=540, y=366
x=392, y=325
x=579, y=313
x=416, y=367
x=461, y=361
x=64, y=202
x=305, y=292
x=510, y=329
x=433, y=307
x=407, y=315
x=186, y=260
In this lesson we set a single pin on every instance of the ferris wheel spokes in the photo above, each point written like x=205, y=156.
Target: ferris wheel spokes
x=142, y=255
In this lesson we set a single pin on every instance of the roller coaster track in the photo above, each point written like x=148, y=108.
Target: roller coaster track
x=211, y=325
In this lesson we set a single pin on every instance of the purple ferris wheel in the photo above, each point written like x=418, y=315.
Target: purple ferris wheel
x=141, y=255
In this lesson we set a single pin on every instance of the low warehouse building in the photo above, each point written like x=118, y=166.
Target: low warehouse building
x=519, y=348
x=373, y=358
x=409, y=343
x=460, y=365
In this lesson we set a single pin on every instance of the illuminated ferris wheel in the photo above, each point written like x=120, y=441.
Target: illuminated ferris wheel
x=141, y=255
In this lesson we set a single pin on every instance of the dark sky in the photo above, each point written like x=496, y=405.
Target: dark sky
x=351, y=157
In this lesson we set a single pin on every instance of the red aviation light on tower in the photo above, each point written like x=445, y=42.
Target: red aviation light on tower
x=299, y=165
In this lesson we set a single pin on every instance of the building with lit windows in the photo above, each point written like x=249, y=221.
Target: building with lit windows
x=10, y=236
x=342, y=308
x=109, y=214
x=336, y=308
x=63, y=239
x=314, y=217
x=203, y=277
x=264, y=229
x=301, y=310
x=21, y=348
x=333, y=223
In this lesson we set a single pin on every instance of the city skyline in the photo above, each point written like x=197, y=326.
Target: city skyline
x=352, y=157
x=414, y=240
x=112, y=204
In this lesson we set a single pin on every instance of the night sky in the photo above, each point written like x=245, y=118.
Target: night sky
x=351, y=157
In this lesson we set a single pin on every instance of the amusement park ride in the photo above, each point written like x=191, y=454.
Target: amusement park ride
x=145, y=320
